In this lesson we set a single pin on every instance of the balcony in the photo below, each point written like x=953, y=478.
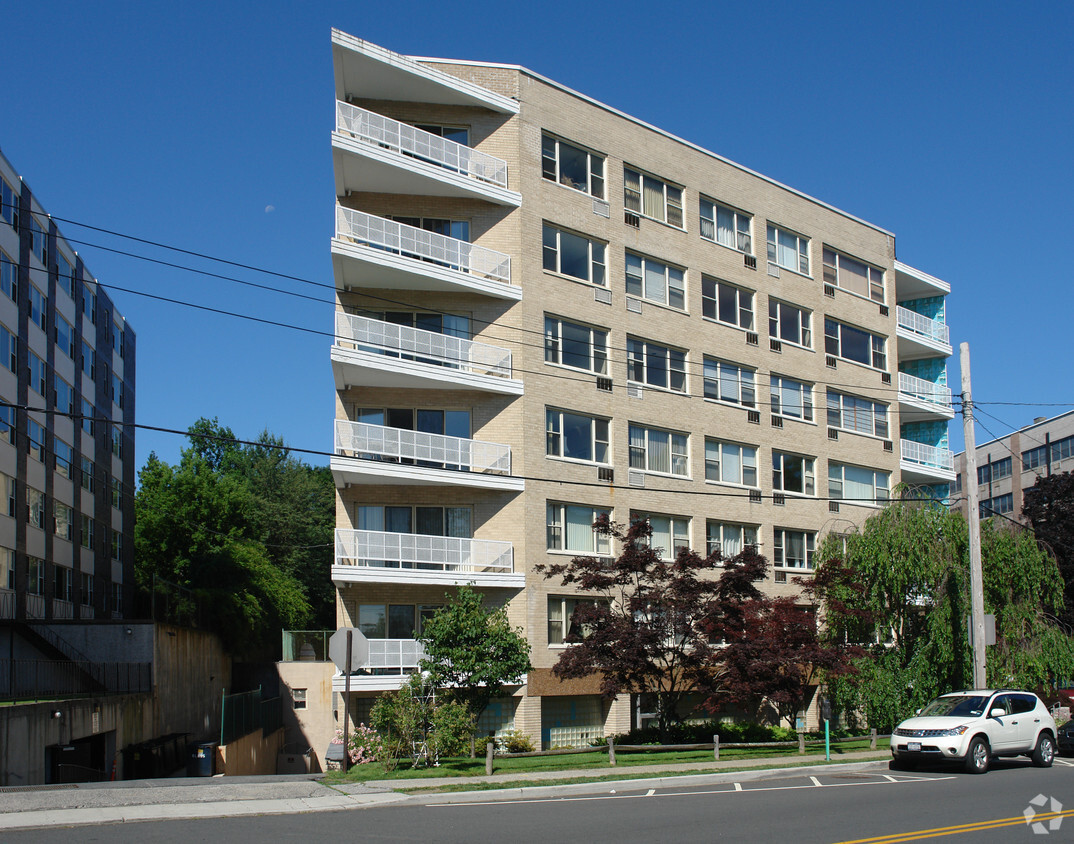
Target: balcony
x=923, y=463
x=921, y=337
x=374, y=353
x=369, y=556
x=7, y=604
x=370, y=251
x=377, y=454
x=922, y=400
x=86, y=612
x=389, y=663
x=376, y=154
x=35, y=605
x=369, y=71
x=62, y=609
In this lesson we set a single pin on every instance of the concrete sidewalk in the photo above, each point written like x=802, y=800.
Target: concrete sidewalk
x=80, y=804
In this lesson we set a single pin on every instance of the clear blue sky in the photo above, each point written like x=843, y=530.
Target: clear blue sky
x=206, y=126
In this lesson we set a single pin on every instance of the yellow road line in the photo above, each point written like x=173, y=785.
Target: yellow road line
x=979, y=826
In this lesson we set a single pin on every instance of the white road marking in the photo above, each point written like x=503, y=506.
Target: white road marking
x=816, y=782
x=890, y=779
x=650, y=792
x=738, y=786
x=1064, y=762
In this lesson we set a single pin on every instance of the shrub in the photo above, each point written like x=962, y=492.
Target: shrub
x=514, y=741
x=411, y=718
x=366, y=745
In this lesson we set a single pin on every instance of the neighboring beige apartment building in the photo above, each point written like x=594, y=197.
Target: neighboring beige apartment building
x=548, y=309
x=1009, y=465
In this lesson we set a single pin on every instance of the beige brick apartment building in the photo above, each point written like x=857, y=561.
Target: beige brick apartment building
x=548, y=309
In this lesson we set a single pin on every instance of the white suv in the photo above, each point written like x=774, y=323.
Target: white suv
x=973, y=726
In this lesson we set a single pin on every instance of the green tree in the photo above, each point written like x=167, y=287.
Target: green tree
x=900, y=587
x=1049, y=508
x=414, y=721
x=472, y=650
x=245, y=529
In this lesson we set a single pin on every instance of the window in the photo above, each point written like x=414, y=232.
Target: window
x=9, y=203
x=65, y=273
x=576, y=346
x=7, y=423
x=117, y=391
x=729, y=382
x=790, y=398
x=845, y=341
x=792, y=473
x=652, y=197
x=7, y=569
x=86, y=474
x=994, y=471
x=853, y=275
x=12, y=494
x=9, y=277
x=35, y=579
x=576, y=436
x=570, y=528
x=63, y=457
x=671, y=534
x=730, y=463
x=298, y=698
x=426, y=521
x=88, y=422
x=117, y=493
x=89, y=301
x=657, y=366
x=35, y=507
x=996, y=506
x=726, y=226
x=9, y=352
x=457, y=229
x=117, y=441
x=63, y=395
x=1062, y=449
x=574, y=255
x=38, y=309
x=793, y=548
x=35, y=440
x=87, y=589
x=726, y=303
x=728, y=539
x=117, y=338
x=853, y=413
x=788, y=250
x=65, y=337
x=117, y=598
x=117, y=543
x=391, y=621
x=1034, y=457
x=562, y=628
x=572, y=166
x=654, y=450
x=63, y=519
x=38, y=241
x=856, y=484
x=37, y=374
x=455, y=134
x=790, y=323
x=655, y=281
x=89, y=365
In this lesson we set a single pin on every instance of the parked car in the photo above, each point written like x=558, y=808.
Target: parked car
x=973, y=727
x=1065, y=739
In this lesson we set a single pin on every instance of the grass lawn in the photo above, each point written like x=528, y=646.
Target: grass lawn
x=466, y=767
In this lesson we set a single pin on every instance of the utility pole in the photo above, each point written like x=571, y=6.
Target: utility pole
x=969, y=485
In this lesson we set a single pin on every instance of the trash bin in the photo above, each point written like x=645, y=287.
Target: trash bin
x=202, y=759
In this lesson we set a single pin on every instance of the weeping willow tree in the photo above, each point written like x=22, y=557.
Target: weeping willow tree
x=900, y=587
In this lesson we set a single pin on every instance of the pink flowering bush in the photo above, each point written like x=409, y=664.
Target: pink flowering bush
x=366, y=745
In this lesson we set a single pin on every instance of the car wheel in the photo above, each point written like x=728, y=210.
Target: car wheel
x=902, y=764
x=977, y=758
x=1045, y=751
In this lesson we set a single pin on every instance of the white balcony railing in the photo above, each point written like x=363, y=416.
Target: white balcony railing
x=374, y=548
x=373, y=128
x=358, y=439
x=62, y=609
x=927, y=455
x=412, y=242
x=926, y=391
x=86, y=611
x=930, y=329
x=398, y=654
x=35, y=606
x=402, y=341
x=7, y=603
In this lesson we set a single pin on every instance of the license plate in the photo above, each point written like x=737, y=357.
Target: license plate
x=913, y=745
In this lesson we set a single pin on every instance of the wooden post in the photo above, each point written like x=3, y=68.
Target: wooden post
x=801, y=742
x=488, y=758
x=716, y=748
x=611, y=751
x=872, y=739
x=473, y=751
x=347, y=704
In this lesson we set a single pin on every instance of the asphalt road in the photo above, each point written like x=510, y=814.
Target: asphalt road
x=874, y=806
